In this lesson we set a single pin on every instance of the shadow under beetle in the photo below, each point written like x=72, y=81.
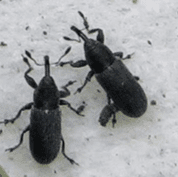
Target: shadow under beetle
x=122, y=89
x=45, y=120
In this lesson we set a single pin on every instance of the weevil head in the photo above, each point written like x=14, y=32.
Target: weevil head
x=98, y=56
x=46, y=94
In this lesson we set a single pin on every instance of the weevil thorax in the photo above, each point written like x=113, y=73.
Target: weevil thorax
x=46, y=94
x=98, y=56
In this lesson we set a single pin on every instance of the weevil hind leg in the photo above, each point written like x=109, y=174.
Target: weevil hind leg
x=114, y=121
x=109, y=99
x=63, y=152
x=21, y=140
x=118, y=54
x=106, y=114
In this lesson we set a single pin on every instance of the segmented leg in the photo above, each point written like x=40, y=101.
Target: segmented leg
x=87, y=79
x=26, y=107
x=65, y=92
x=21, y=139
x=63, y=152
x=106, y=113
x=77, y=111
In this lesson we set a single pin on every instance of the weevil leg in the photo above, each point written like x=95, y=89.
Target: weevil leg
x=26, y=107
x=29, y=79
x=136, y=78
x=64, y=102
x=64, y=93
x=106, y=114
x=118, y=54
x=87, y=79
x=63, y=152
x=21, y=140
x=128, y=56
x=114, y=120
x=112, y=110
x=81, y=107
x=100, y=36
x=109, y=99
x=77, y=64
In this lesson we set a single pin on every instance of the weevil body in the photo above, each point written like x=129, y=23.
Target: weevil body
x=120, y=85
x=45, y=122
x=45, y=134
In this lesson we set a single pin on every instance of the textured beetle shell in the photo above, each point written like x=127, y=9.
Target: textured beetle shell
x=45, y=134
x=123, y=89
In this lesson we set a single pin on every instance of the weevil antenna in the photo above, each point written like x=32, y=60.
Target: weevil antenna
x=66, y=52
x=70, y=39
x=79, y=33
x=29, y=55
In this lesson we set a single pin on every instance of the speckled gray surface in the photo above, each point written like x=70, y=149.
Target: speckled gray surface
x=144, y=147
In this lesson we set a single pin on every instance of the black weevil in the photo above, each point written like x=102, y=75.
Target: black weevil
x=45, y=120
x=120, y=85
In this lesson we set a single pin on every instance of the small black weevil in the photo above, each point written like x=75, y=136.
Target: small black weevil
x=45, y=120
x=120, y=85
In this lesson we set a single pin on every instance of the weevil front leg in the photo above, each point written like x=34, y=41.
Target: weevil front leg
x=64, y=93
x=33, y=84
x=77, y=64
x=106, y=114
x=29, y=79
x=100, y=36
x=26, y=107
x=21, y=140
x=63, y=152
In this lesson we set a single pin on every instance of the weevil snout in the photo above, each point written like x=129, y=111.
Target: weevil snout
x=79, y=33
x=46, y=61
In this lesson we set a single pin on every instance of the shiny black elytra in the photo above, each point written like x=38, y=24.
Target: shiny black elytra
x=120, y=85
x=45, y=120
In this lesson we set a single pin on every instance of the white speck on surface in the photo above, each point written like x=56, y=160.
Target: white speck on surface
x=143, y=147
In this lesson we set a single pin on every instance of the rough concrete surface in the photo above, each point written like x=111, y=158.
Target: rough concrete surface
x=143, y=147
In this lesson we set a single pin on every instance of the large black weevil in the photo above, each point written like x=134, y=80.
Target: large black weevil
x=120, y=85
x=45, y=120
